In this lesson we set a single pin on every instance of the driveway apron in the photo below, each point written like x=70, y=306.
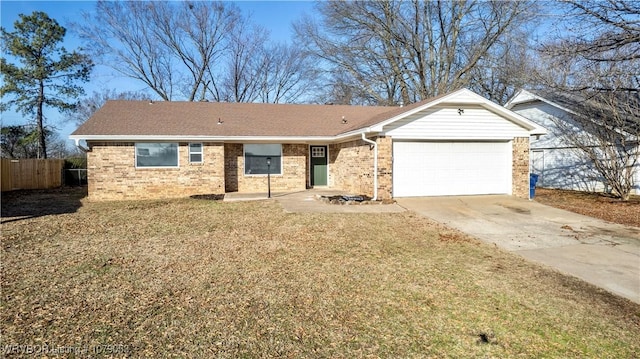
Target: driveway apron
x=601, y=253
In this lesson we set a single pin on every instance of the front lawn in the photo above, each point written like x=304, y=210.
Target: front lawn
x=198, y=278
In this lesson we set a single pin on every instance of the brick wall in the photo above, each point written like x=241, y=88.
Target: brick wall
x=385, y=167
x=520, y=167
x=232, y=159
x=294, y=170
x=112, y=174
x=351, y=167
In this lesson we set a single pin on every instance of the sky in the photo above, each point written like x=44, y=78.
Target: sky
x=276, y=16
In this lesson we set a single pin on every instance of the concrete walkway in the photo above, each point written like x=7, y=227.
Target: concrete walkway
x=307, y=202
x=601, y=253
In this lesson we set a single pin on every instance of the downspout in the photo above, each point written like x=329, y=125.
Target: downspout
x=82, y=148
x=375, y=166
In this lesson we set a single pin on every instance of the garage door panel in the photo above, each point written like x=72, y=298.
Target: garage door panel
x=451, y=168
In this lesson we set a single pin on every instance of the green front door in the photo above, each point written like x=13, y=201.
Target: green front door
x=318, y=165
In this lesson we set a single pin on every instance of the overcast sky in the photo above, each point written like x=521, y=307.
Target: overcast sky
x=276, y=16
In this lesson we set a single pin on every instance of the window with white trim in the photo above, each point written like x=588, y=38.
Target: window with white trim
x=195, y=153
x=256, y=155
x=160, y=154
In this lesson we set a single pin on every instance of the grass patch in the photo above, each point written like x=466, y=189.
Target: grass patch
x=214, y=279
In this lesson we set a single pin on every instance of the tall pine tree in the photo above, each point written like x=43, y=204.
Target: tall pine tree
x=46, y=73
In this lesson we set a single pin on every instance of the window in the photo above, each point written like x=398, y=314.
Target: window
x=255, y=159
x=317, y=152
x=195, y=152
x=156, y=155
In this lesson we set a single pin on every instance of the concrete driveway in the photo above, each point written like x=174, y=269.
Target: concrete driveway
x=601, y=253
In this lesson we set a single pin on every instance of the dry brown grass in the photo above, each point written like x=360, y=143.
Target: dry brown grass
x=597, y=205
x=194, y=278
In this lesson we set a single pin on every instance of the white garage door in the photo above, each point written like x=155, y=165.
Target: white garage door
x=451, y=168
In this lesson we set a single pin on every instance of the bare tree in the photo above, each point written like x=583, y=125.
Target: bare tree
x=507, y=67
x=195, y=51
x=287, y=74
x=90, y=104
x=170, y=47
x=598, y=37
x=406, y=51
x=596, y=64
x=605, y=129
x=342, y=89
x=244, y=64
x=602, y=30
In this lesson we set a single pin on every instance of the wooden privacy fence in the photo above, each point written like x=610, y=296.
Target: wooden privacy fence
x=31, y=173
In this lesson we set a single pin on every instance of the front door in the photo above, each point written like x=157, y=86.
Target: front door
x=318, y=165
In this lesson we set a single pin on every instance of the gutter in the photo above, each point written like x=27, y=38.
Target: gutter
x=224, y=139
x=375, y=166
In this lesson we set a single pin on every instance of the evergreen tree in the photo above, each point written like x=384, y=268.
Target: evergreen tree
x=46, y=73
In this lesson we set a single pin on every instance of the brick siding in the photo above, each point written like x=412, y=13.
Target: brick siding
x=294, y=175
x=520, y=167
x=385, y=167
x=112, y=174
x=351, y=167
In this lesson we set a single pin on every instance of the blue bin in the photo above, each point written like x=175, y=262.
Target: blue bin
x=533, y=179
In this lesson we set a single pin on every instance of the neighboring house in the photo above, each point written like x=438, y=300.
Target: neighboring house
x=455, y=144
x=558, y=163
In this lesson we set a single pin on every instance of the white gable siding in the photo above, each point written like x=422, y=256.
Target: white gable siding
x=546, y=116
x=467, y=97
x=565, y=168
x=445, y=123
x=552, y=156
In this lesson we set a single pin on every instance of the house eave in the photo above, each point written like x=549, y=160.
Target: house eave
x=535, y=98
x=222, y=139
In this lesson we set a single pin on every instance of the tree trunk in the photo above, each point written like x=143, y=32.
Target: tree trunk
x=42, y=146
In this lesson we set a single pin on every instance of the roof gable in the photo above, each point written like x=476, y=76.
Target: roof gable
x=526, y=97
x=464, y=122
x=461, y=98
x=591, y=109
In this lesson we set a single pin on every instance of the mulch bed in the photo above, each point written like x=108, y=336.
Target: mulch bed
x=352, y=200
x=210, y=197
x=597, y=205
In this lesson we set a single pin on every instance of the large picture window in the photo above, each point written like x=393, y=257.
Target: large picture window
x=255, y=159
x=156, y=155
